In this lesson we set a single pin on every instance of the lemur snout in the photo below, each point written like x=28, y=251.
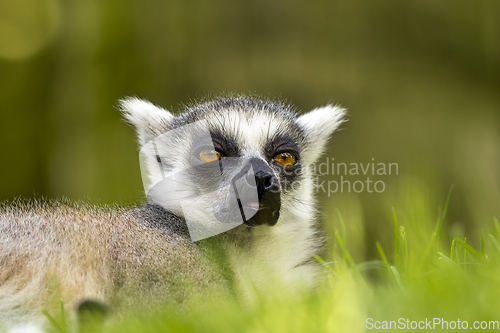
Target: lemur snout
x=265, y=182
x=267, y=186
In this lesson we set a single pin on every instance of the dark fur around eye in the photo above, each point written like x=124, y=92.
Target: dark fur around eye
x=226, y=146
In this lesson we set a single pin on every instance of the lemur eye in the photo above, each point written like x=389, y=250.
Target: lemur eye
x=210, y=156
x=285, y=159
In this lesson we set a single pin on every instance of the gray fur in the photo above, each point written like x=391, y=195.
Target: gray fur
x=120, y=256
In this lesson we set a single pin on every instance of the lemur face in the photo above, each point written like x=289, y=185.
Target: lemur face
x=229, y=162
x=249, y=165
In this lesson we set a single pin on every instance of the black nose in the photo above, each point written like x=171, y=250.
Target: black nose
x=265, y=182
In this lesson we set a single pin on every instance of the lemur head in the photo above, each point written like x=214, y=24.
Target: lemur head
x=230, y=161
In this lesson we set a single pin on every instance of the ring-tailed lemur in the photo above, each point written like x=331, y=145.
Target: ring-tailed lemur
x=235, y=168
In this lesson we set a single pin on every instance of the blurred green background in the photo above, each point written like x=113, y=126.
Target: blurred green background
x=421, y=80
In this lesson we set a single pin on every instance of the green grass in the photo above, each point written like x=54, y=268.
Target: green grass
x=414, y=279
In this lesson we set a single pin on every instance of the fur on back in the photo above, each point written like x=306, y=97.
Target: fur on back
x=52, y=251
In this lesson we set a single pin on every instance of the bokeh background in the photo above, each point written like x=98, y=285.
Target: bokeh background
x=421, y=80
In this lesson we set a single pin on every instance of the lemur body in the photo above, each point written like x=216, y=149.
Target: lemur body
x=117, y=255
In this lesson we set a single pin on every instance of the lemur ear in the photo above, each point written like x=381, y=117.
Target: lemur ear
x=319, y=124
x=148, y=119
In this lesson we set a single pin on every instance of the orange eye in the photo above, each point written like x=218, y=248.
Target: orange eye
x=285, y=159
x=210, y=156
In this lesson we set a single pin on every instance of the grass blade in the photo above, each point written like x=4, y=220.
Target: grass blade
x=404, y=246
x=443, y=216
x=446, y=259
x=63, y=317
x=325, y=264
x=438, y=230
x=497, y=226
x=429, y=245
x=53, y=321
x=348, y=258
x=382, y=255
x=495, y=243
x=483, y=251
x=469, y=248
x=396, y=237
x=342, y=225
x=396, y=276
